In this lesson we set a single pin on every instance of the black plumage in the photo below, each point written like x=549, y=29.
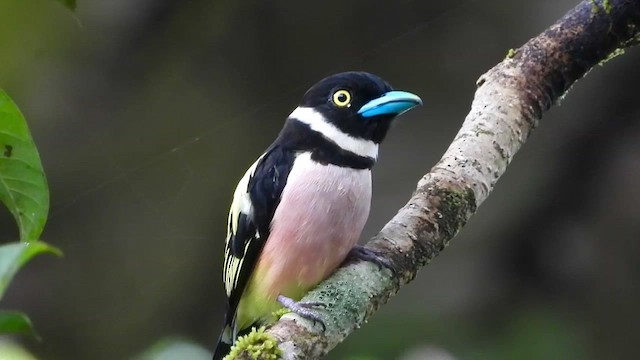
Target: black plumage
x=364, y=87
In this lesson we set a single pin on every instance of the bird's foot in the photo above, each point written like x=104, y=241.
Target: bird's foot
x=304, y=309
x=363, y=253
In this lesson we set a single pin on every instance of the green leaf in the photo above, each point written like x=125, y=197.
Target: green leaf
x=15, y=322
x=23, y=186
x=14, y=256
x=69, y=4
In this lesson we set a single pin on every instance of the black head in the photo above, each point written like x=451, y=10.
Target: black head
x=360, y=104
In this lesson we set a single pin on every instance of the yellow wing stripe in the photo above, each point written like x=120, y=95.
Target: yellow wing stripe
x=241, y=204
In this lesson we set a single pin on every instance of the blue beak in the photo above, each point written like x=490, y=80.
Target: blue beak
x=391, y=103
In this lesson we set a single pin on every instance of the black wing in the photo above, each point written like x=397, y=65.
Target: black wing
x=254, y=203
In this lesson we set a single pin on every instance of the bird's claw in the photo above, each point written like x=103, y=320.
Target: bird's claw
x=363, y=253
x=304, y=309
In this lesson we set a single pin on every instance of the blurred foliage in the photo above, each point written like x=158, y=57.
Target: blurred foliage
x=174, y=349
x=70, y=4
x=12, y=351
x=15, y=322
x=15, y=255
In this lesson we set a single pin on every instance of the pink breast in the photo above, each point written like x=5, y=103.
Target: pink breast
x=320, y=218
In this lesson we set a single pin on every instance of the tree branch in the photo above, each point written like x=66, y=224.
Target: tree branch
x=509, y=102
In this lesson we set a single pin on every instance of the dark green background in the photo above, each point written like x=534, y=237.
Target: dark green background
x=148, y=112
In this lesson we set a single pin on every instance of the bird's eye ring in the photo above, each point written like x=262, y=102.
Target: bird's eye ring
x=342, y=98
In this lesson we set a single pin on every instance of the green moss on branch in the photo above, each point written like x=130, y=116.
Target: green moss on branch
x=256, y=345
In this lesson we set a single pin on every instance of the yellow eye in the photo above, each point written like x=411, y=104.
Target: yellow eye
x=342, y=98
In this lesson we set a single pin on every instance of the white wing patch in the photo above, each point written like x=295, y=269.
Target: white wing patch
x=241, y=204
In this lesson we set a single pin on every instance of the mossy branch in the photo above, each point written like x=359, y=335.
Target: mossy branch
x=256, y=345
x=510, y=100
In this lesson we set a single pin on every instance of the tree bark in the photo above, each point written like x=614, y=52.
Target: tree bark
x=509, y=101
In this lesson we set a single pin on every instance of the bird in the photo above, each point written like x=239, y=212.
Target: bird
x=299, y=210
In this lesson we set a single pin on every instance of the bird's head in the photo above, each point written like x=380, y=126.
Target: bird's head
x=360, y=104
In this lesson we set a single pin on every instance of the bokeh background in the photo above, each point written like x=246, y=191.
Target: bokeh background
x=147, y=112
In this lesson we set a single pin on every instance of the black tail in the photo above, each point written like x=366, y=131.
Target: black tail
x=224, y=343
